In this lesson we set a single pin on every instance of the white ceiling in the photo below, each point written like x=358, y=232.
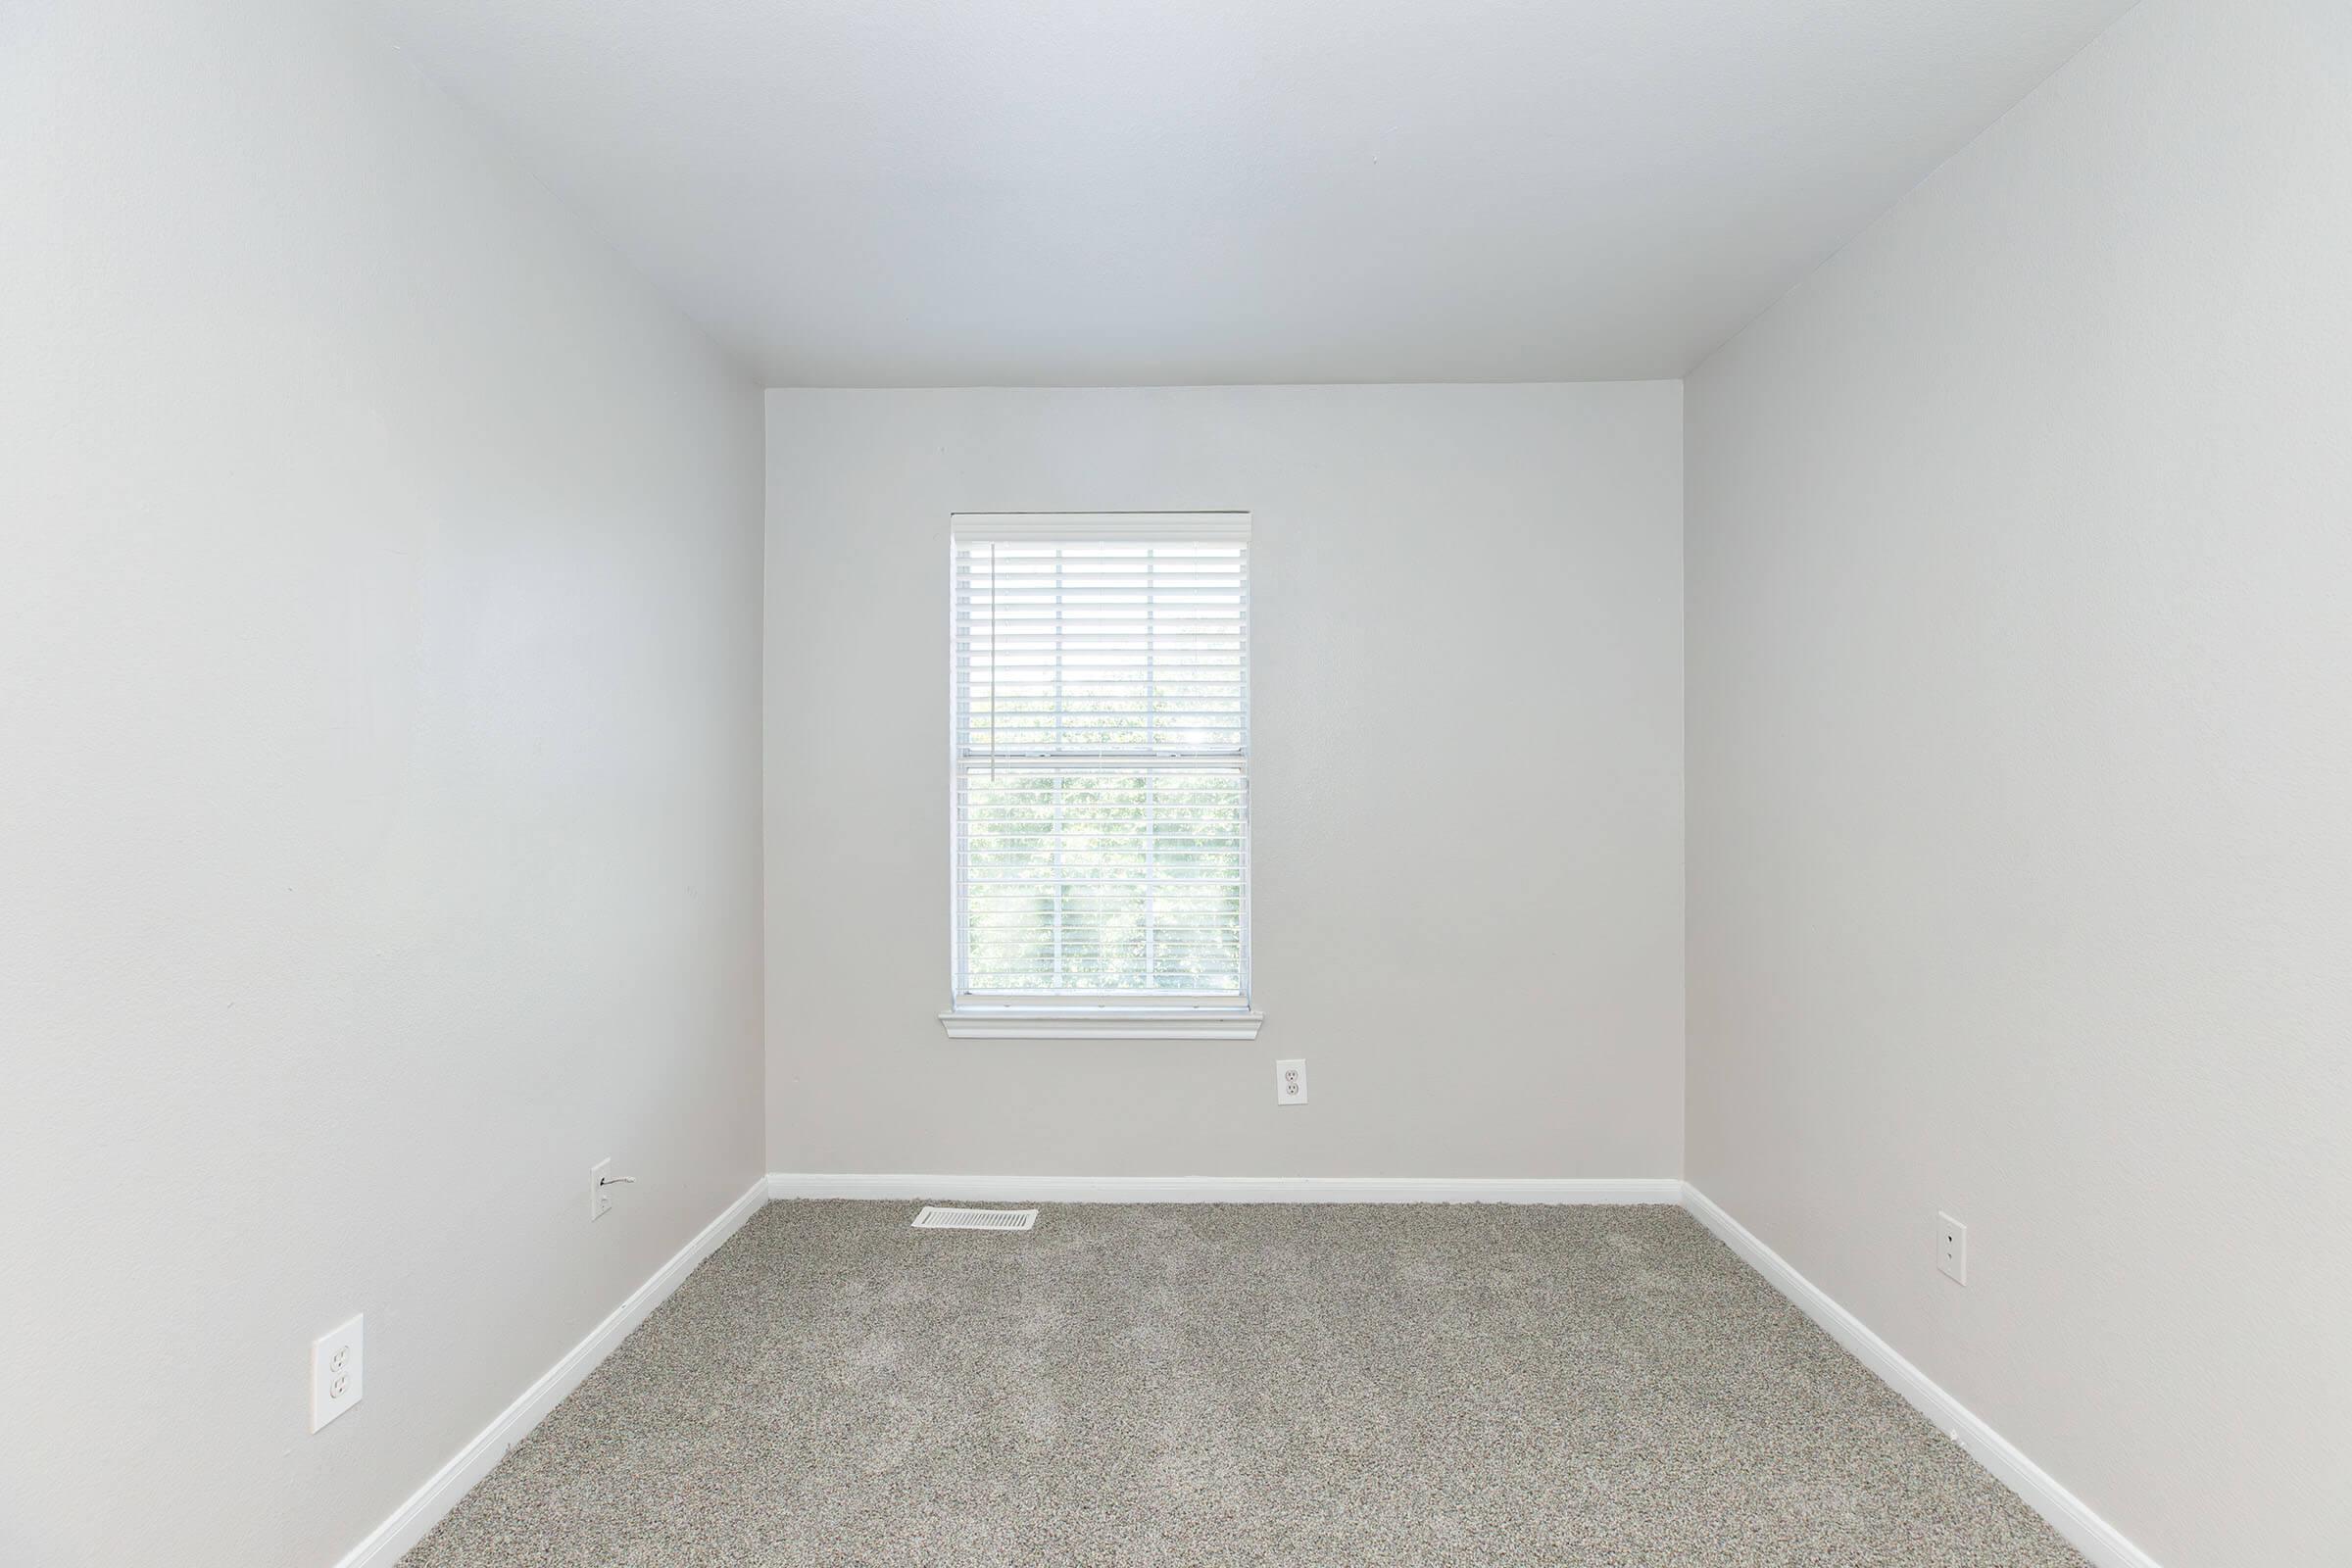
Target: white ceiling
x=1084, y=192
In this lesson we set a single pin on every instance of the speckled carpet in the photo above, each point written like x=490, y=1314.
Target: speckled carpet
x=1326, y=1387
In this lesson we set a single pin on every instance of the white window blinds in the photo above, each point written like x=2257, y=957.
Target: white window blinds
x=1102, y=758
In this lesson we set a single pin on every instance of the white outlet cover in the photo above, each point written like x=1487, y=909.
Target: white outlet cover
x=335, y=1366
x=1951, y=1248
x=1289, y=1083
x=600, y=1196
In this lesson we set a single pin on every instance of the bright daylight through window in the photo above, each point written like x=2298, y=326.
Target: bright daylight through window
x=1100, y=775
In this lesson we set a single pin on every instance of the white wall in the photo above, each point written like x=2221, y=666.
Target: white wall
x=1467, y=784
x=2021, y=787
x=378, y=803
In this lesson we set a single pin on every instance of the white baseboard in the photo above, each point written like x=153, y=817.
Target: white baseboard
x=427, y=1505
x=2093, y=1537
x=1228, y=1189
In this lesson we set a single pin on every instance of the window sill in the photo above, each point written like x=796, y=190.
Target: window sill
x=1101, y=1023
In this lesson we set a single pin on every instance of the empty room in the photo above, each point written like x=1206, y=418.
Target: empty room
x=1192, y=784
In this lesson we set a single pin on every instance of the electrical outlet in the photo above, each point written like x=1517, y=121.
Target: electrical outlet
x=600, y=1190
x=1289, y=1083
x=1951, y=1248
x=336, y=1371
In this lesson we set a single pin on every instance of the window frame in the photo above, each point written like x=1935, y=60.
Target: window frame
x=1097, y=1015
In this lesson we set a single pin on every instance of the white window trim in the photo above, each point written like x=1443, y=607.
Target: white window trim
x=1031, y=1021
x=1162, y=1017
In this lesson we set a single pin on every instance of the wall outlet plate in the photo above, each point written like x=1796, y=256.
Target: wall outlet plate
x=1289, y=1083
x=336, y=1371
x=1951, y=1248
x=600, y=1195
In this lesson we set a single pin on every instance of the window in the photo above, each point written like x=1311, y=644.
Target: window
x=1100, y=775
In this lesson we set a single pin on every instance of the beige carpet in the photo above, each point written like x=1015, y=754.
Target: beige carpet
x=1235, y=1385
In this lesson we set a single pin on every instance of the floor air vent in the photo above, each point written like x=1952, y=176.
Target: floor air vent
x=975, y=1220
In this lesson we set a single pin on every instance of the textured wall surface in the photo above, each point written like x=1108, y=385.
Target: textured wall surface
x=379, y=781
x=1467, y=788
x=2021, y=786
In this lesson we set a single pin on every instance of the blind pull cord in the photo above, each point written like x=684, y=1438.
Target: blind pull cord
x=992, y=660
